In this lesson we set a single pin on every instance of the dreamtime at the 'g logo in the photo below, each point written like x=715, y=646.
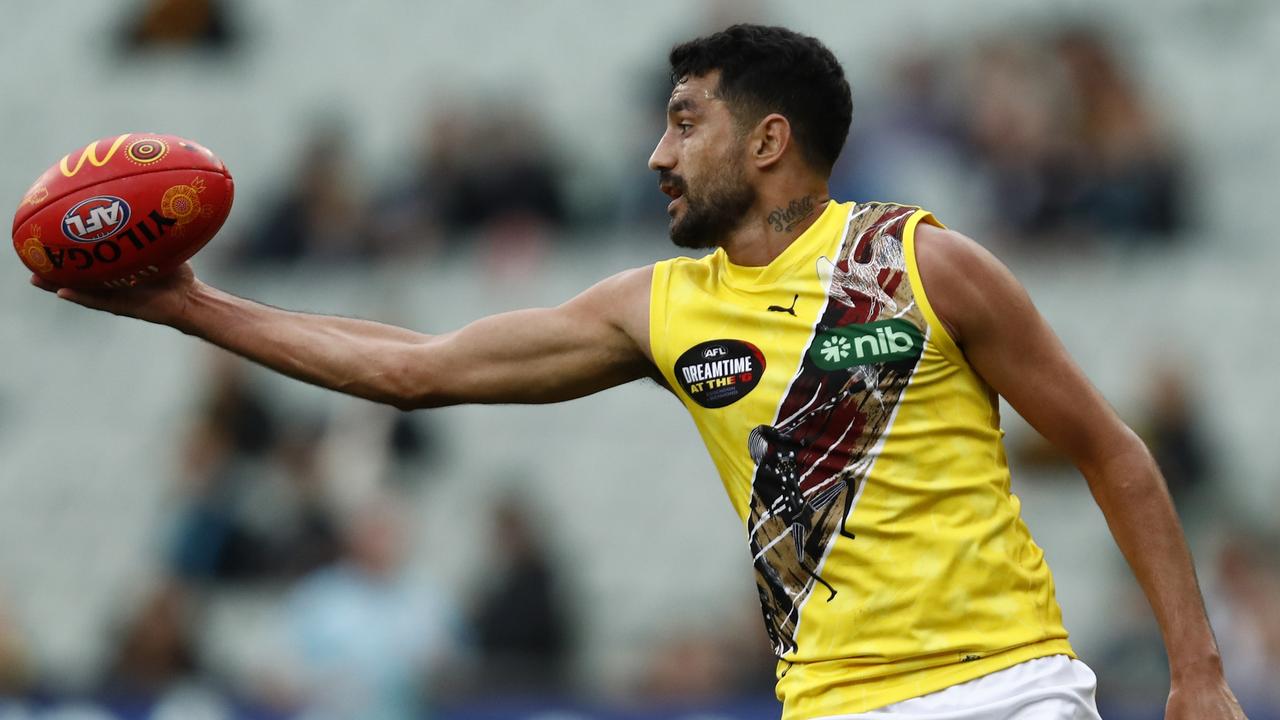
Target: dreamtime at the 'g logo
x=97, y=218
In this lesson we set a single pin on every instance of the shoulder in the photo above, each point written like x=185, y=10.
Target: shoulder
x=619, y=294
x=942, y=249
x=685, y=264
x=619, y=302
x=965, y=283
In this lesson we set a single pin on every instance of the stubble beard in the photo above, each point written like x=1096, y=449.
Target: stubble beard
x=709, y=217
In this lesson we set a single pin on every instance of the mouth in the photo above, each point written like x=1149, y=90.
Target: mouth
x=673, y=191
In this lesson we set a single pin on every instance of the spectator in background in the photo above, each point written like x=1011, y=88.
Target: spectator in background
x=1044, y=133
x=910, y=141
x=232, y=434
x=1174, y=429
x=255, y=508
x=509, y=181
x=1020, y=141
x=295, y=522
x=364, y=640
x=726, y=659
x=521, y=625
x=1243, y=608
x=1177, y=437
x=482, y=173
x=179, y=24
x=320, y=216
x=1071, y=148
x=411, y=217
x=1129, y=176
x=1241, y=590
x=689, y=665
x=1131, y=666
x=156, y=648
x=15, y=670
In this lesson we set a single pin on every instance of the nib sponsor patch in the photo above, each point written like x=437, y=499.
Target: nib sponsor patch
x=866, y=344
x=717, y=373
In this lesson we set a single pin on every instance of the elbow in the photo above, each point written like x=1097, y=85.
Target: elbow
x=416, y=401
x=414, y=396
x=403, y=404
x=406, y=385
x=416, y=376
x=1122, y=459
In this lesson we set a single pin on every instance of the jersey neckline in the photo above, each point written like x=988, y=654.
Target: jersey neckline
x=800, y=249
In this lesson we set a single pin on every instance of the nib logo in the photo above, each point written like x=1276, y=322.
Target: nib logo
x=836, y=348
x=866, y=344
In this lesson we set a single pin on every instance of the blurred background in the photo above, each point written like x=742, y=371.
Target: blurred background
x=183, y=535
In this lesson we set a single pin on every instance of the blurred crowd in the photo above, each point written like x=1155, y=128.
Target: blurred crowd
x=1046, y=138
x=483, y=177
x=273, y=505
x=1240, y=572
x=266, y=504
x=1037, y=140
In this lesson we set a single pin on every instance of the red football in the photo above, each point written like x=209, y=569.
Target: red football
x=121, y=210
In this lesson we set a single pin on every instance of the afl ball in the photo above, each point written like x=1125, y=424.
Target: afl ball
x=121, y=210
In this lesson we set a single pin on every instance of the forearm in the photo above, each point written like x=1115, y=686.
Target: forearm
x=1133, y=497
x=527, y=356
x=356, y=357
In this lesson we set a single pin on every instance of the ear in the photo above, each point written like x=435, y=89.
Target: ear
x=769, y=140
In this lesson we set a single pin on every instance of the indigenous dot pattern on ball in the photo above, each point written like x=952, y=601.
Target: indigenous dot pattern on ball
x=146, y=151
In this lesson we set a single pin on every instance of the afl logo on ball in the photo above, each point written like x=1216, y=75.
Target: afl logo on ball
x=97, y=218
x=717, y=373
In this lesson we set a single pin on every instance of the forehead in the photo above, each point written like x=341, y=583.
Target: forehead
x=694, y=92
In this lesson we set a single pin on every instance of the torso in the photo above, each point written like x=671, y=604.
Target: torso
x=863, y=455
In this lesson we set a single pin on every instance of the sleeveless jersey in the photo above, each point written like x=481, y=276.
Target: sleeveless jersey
x=864, y=457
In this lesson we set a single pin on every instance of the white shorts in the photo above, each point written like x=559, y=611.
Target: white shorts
x=1047, y=688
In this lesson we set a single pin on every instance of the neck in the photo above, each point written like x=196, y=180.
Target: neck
x=772, y=224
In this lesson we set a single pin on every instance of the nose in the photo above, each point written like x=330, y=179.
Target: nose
x=663, y=157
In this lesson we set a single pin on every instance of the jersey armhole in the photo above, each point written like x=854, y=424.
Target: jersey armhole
x=937, y=331
x=658, y=292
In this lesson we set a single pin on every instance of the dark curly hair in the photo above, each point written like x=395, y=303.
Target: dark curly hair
x=766, y=70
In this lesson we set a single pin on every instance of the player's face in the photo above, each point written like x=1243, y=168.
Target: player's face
x=701, y=165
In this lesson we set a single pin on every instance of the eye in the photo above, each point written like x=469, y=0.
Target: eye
x=685, y=127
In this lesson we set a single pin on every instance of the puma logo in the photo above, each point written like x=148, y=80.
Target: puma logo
x=792, y=309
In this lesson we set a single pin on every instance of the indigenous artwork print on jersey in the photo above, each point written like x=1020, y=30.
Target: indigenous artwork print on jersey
x=810, y=463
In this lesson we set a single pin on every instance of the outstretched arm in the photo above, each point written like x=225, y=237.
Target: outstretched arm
x=596, y=340
x=1011, y=346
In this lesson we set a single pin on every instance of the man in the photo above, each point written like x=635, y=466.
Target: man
x=852, y=416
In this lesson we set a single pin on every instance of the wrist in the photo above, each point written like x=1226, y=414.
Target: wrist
x=1200, y=669
x=196, y=302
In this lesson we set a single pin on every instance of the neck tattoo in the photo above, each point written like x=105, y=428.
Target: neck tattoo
x=786, y=219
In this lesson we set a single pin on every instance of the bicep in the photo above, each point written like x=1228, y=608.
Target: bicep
x=1010, y=345
x=541, y=355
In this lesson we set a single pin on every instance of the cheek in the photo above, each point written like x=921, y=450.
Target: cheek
x=696, y=157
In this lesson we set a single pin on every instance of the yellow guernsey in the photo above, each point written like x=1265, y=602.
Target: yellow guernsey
x=864, y=457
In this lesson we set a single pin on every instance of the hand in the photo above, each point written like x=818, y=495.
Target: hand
x=1207, y=700
x=163, y=300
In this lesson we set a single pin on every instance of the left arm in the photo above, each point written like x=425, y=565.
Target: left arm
x=1009, y=344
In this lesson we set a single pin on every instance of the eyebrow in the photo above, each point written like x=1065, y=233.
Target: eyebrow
x=682, y=104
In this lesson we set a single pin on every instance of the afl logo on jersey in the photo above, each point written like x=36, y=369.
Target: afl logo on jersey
x=97, y=218
x=717, y=373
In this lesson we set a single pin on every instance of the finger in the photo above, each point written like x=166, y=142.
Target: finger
x=43, y=284
x=87, y=299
